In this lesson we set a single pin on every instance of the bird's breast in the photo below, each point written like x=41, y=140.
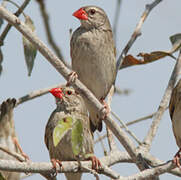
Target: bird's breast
x=93, y=59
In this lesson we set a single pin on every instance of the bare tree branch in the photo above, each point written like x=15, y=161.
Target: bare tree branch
x=47, y=168
x=102, y=144
x=151, y=173
x=8, y=27
x=45, y=17
x=163, y=105
x=126, y=128
x=13, y=154
x=128, y=124
x=73, y=166
x=137, y=32
x=111, y=141
x=35, y=94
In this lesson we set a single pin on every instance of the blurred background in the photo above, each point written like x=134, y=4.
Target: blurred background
x=147, y=83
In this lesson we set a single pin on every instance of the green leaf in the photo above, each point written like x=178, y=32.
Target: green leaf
x=1, y=177
x=77, y=137
x=62, y=128
x=29, y=49
x=176, y=42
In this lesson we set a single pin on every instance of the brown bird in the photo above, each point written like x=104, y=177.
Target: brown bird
x=69, y=104
x=175, y=114
x=8, y=135
x=93, y=55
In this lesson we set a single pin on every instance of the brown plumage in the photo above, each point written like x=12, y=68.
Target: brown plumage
x=175, y=114
x=69, y=104
x=8, y=135
x=93, y=55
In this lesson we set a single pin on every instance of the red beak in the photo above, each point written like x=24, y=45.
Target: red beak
x=81, y=14
x=57, y=92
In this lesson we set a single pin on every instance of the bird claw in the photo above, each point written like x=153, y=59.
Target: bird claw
x=176, y=159
x=106, y=107
x=54, y=162
x=96, y=164
x=72, y=77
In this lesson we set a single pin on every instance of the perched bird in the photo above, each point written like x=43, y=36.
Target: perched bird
x=175, y=114
x=69, y=104
x=93, y=55
x=8, y=135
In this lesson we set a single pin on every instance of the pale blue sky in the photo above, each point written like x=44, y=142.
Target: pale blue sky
x=147, y=82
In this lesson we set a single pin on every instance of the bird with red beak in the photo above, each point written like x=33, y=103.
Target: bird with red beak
x=93, y=56
x=69, y=105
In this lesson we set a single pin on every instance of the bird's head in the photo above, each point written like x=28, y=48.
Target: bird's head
x=68, y=98
x=92, y=17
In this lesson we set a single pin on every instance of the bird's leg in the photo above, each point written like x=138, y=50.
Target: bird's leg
x=54, y=161
x=15, y=140
x=177, y=159
x=72, y=77
x=96, y=164
x=106, y=107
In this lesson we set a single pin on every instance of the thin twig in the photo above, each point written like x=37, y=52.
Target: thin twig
x=35, y=94
x=16, y=155
x=128, y=124
x=102, y=144
x=15, y=4
x=126, y=128
x=116, y=18
x=163, y=105
x=151, y=173
x=137, y=32
x=49, y=35
x=8, y=27
x=110, y=137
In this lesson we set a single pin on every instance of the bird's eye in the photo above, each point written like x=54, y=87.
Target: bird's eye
x=92, y=11
x=68, y=92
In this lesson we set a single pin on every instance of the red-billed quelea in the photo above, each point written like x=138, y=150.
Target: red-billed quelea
x=93, y=55
x=69, y=104
x=175, y=114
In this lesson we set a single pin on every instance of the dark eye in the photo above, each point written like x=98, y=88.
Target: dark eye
x=92, y=11
x=68, y=92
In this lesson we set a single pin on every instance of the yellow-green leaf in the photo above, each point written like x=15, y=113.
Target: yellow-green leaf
x=77, y=137
x=29, y=49
x=64, y=125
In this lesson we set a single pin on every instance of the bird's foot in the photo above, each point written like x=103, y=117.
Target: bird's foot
x=54, y=162
x=106, y=107
x=177, y=159
x=96, y=164
x=15, y=140
x=72, y=77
